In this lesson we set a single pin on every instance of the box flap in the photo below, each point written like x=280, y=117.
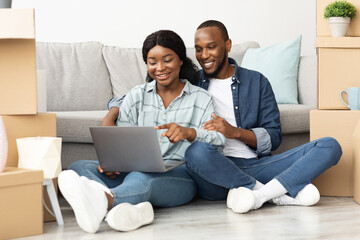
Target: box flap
x=337, y=42
x=20, y=126
x=13, y=176
x=17, y=23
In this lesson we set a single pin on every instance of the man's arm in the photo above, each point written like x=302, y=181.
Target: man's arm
x=221, y=125
x=268, y=131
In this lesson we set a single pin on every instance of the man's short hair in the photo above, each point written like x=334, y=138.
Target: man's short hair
x=219, y=25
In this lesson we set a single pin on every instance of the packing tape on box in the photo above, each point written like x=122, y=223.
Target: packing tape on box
x=42, y=153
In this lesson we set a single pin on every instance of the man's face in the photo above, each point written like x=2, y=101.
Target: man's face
x=211, y=51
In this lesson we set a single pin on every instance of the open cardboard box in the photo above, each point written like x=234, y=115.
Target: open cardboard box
x=18, y=85
x=346, y=62
x=20, y=126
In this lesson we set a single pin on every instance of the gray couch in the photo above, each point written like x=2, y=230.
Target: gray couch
x=82, y=77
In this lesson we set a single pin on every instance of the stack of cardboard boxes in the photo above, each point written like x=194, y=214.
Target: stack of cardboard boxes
x=20, y=189
x=338, y=69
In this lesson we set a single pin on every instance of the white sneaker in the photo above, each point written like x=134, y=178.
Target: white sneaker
x=128, y=217
x=308, y=196
x=230, y=198
x=86, y=197
x=240, y=200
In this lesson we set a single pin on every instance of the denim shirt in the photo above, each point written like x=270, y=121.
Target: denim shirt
x=255, y=107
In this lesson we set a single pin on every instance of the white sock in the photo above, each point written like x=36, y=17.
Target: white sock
x=269, y=191
x=258, y=185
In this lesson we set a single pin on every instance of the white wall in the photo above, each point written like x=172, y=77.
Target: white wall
x=126, y=23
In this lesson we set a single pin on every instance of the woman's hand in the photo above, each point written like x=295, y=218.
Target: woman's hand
x=111, y=175
x=176, y=133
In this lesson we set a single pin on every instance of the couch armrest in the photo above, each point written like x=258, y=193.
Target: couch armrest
x=307, y=81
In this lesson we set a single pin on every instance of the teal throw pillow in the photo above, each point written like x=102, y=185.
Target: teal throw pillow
x=279, y=64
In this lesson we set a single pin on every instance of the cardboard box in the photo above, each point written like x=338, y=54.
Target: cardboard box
x=322, y=25
x=339, y=124
x=20, y=203
x=338, y=69
x=18, y=93
x=42, y=124
x=356, y=154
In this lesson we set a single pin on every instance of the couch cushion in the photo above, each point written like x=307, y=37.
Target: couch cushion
x=294, y=118
x=73, y=126
x=126, y=67
x=76, y=76
x=307, y=80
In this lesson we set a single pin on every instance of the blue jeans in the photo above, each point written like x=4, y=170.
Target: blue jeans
x=215, y=173
x=169, y=189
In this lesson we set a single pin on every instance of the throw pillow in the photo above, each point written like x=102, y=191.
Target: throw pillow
x=279, y=64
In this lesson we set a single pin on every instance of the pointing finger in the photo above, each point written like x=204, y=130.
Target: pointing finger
x=165, y=126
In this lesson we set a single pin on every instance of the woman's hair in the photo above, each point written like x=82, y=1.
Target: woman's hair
x=169, y=39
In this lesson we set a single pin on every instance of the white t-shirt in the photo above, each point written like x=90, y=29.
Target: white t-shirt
x=220, y=90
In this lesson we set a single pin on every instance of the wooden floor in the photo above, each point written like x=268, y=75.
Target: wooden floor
x=331, y=218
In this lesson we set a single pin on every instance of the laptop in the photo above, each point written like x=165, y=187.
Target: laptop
x=130, y=149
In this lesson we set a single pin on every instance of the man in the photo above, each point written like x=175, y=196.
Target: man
x=250, y=120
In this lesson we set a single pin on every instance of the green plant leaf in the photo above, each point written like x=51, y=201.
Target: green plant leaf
x=340, y=9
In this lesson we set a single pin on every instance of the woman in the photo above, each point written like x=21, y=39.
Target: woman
x=177, y=109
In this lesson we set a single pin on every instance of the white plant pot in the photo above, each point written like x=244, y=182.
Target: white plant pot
x=3, y=145
x=339, y=26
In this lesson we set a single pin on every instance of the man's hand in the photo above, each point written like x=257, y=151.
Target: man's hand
x=110, y=118
x=221, y=125
x=176, y=133
x=111, y=175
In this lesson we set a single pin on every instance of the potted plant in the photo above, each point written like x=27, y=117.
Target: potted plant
x=339, y=14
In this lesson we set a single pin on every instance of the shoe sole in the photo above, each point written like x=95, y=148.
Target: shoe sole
x=83, y=218
x=127, y=217
x=241, y=200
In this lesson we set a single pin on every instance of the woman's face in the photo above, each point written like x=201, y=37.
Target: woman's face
x=163, y=66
